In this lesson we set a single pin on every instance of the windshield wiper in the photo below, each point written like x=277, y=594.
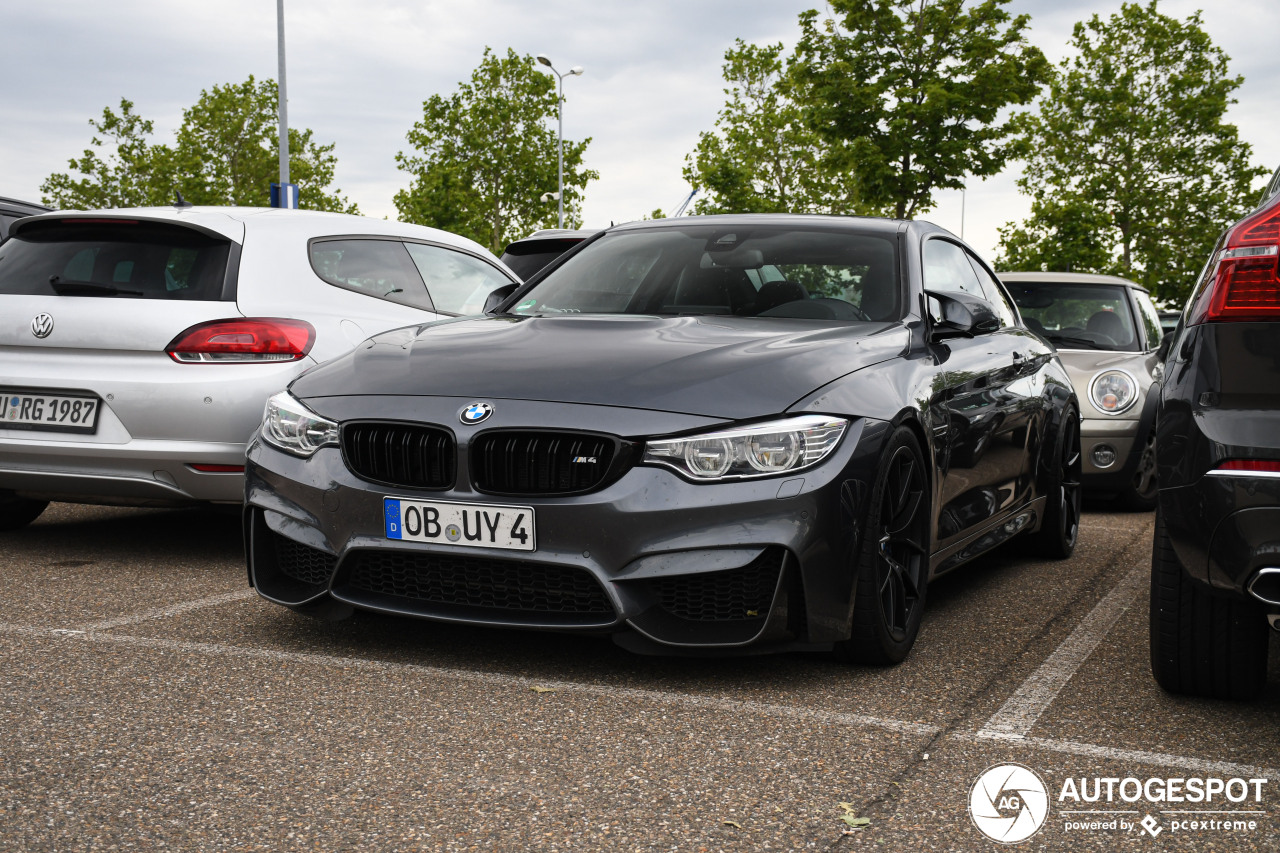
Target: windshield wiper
x=71, y=286
x=1071, y=339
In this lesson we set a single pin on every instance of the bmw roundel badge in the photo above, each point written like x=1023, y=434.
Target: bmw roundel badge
x=474, y=413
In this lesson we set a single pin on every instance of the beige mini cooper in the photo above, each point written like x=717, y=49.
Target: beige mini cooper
x=1107, y=331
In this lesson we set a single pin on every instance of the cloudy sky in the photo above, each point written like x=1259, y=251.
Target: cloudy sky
x=359, y=71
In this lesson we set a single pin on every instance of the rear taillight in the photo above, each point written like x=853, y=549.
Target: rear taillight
x=1263, y=466
x=1246, y=282
x=243, y=340
x=207, y=468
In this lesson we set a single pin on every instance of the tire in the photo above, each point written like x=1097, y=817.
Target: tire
x=1202, y=643
x=18, y=512
x=893, y=558
x=1140, y=496
x=1060, y=529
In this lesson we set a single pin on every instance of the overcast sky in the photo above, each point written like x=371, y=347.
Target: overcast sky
x=359, y=70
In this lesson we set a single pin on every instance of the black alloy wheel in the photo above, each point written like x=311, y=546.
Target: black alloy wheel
x=893, y=567
x=1057, y=535
x=1141, y=495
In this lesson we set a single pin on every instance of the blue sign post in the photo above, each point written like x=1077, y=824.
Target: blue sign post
x=288, y=198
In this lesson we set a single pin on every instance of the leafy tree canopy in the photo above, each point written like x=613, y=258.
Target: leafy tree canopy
x=909, y=93
x=763, y=157
x=1132, y=168
x=485, y=157
x=226, y=153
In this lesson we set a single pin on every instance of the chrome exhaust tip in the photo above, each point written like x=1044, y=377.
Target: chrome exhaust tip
x=1265, y=586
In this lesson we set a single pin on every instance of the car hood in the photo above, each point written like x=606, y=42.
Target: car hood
x=718, y=366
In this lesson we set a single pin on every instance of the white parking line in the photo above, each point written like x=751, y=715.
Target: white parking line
x=716, y=703
x=174, y=610
x=1017, y=715
x=1164, y=759
x=733, y=706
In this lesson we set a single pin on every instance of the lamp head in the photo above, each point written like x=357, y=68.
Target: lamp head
x=544, y=59
x=576, y=70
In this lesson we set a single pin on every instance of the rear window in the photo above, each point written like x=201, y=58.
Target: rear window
x=121, y=259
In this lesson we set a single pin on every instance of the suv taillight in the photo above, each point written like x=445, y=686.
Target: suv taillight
x=243, y=340
x=1246, y=282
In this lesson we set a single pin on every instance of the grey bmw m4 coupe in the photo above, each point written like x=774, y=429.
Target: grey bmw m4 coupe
x=731, y=433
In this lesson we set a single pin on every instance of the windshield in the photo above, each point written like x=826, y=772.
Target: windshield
x=752, y=270
x=1077, y=316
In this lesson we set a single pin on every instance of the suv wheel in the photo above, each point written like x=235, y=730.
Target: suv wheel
x=1202, y=644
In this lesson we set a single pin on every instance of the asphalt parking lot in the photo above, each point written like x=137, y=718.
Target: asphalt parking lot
x=150, y=701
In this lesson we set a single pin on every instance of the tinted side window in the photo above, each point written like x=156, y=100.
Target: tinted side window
x=128, y=259
x=994, y=294
x=458, y=283
x=377, y=268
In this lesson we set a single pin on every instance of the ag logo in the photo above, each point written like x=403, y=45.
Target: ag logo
x=474, y=413
x=1008, y=803
x=42, y=325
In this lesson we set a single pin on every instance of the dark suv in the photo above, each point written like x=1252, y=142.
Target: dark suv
x=12, y=210
x=1215, y=566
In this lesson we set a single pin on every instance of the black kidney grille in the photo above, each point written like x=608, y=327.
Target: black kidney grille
x=540, y=463
x=303, y=563
x=412, y=455
x=506, y=585
x=744, y=593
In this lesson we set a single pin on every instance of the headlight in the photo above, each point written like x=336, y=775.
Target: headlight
x=760, y=450
x=1113, y=391
x=293, y=428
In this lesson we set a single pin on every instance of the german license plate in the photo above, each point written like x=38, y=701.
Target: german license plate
x=474, y=525
x=40, y=410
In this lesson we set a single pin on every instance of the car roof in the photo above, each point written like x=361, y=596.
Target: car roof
x=24, y=206
x=1067, y=278
x=888, y=226
x=234, y=222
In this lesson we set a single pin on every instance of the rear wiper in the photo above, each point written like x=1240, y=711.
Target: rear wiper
x=71, y=286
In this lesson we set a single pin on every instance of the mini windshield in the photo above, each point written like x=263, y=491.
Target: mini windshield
x=1078, y=316
x=752, y=270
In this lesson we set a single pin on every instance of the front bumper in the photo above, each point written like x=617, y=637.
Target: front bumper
x=676, y=563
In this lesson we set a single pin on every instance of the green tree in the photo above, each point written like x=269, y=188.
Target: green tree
x=225, y=154
x=121, y=169
x=485, y=156
x=909, y=93
x=228, y=151
x=1130, y=141
x=1063, y=234
x=763, y=157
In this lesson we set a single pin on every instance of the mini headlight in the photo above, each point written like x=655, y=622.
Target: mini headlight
x=293, y=428
x=759, y=450
x=1113, y=391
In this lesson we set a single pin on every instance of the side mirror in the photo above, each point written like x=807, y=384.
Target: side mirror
x=1166, y=344
x=960, y=315
x=497, y=296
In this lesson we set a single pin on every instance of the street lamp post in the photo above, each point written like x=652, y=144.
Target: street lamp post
x=575, y=71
